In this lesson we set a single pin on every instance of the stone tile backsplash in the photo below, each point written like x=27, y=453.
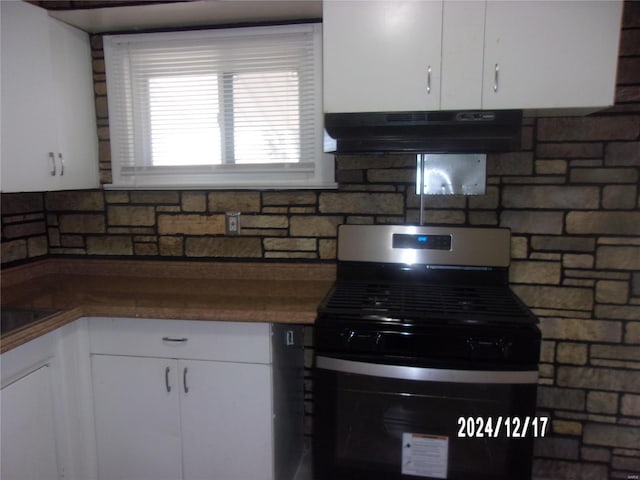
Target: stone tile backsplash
x=570, y=197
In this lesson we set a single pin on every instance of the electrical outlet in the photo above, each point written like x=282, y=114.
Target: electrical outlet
x=233, y=223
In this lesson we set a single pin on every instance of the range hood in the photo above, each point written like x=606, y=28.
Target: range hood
x=424, y=132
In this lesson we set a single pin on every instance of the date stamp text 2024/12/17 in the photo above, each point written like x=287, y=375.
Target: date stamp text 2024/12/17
x=502, y=427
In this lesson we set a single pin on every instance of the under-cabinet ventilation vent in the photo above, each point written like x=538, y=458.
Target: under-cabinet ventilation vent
x=424, y=132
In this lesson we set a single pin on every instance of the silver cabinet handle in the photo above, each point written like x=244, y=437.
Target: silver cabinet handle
x=174, y=340
x=184, y=380
x=166, y=379
x=429, y=80
x=290, y=338
x=53, y=164
x=495, y=77
x=61, y=164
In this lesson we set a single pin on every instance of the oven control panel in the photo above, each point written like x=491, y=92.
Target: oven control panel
x=425, y=245
x=421, y=241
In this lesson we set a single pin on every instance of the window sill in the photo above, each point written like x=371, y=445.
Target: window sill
x=257, y=186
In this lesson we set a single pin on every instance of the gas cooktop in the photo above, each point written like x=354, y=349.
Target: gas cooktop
x=426, y=302
x=417, y=275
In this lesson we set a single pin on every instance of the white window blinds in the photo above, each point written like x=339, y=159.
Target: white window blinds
x=217, y=108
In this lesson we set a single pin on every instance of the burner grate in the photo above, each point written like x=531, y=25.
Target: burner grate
x=426, y=301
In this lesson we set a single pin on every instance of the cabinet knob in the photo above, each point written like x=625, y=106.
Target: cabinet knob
x=429, y=80
x=495, y=77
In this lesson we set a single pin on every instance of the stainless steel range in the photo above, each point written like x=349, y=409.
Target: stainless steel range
x=426, y=361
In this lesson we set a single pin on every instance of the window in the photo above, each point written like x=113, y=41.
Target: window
x=226, y=108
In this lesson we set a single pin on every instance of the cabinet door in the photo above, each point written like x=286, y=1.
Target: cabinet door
x=136, y=404
x=381, y=55
x=550, y=54
x=28, y=121
x=77, y=153
x=28, y=434
x=49, y=135
x=462, y=51
x=226, y=412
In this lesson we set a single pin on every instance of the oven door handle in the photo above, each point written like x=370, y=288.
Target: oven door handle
x=427, y=374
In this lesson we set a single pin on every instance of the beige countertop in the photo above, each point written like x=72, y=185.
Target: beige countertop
x=229, y=291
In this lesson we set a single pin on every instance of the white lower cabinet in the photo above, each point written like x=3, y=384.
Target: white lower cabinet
x=46, y=422
x=226, y=418
x=156, y=417
x=137, y=422
x=195, y=400
x=28, y=440
x=138, y=399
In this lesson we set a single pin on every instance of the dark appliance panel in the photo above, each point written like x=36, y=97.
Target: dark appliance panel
x=420, y=335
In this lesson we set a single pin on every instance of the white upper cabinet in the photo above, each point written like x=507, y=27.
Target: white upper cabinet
x=75, y=106
x=381, y=55
x=526, y=55
x=49, y=135
x=555, y=55
x=462, y=52
x=28, y=119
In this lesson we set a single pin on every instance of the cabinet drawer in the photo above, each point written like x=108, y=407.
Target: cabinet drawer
x=197, y=340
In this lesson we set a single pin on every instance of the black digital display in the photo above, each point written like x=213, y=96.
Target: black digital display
x=422, y=241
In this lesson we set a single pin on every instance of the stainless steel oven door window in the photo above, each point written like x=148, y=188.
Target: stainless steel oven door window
x=377, y=421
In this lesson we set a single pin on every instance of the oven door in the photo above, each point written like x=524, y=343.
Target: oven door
x=385, y=421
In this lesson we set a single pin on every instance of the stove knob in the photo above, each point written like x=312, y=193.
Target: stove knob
x=505, y=347
x=349, y=335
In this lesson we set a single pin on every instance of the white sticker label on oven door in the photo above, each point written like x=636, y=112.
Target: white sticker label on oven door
x=425, y=455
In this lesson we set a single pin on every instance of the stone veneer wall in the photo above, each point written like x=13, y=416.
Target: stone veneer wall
x=570, y=197
x=24, y=227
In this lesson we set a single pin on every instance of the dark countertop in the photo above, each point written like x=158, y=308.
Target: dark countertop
x=213, y=291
